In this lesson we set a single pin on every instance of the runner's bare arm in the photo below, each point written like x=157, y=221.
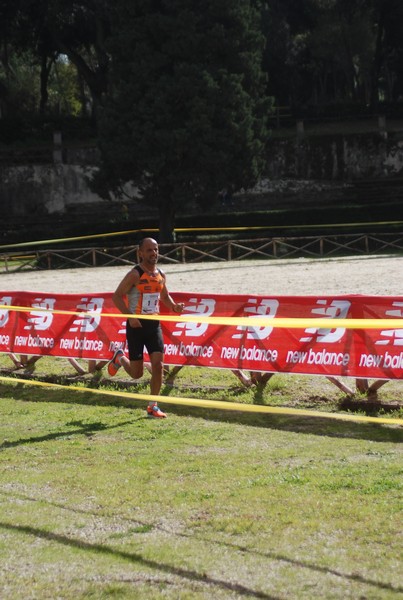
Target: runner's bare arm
x=166, y=298
x=119, y=297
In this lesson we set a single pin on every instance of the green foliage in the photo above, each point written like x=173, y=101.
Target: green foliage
x=50, y=33
x=63, y=89
x=187, y=110
x=317, y=52
x=23, y=94
x=20, y=82
x=323, y=52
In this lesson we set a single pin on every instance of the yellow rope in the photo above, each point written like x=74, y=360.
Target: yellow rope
x=280, y=322
x=215, y=404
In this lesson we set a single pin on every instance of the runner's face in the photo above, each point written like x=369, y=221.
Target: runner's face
x=149, y=253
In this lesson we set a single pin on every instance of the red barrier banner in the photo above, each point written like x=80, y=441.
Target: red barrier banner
x=336, y=351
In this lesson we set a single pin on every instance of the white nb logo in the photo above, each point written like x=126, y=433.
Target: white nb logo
x=393, y=336
x=205, y=307
x=337, y=309
x=88, y=323
x=4, y=313
x=40, y=320
x=266, y=308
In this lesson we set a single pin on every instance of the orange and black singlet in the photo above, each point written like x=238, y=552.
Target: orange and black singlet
x=144, y=298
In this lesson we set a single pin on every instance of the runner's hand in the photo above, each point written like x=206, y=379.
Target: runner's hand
x=178, y=308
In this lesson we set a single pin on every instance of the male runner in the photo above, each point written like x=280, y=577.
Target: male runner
x=140, y=292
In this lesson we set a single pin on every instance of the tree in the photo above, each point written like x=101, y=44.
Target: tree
x=342, y=75
x=386, y=67
x=46, y=30
x=186, y=112
x=326, y=51
x=286, y=24
x=80, y=30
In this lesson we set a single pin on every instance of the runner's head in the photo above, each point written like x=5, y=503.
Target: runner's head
x=148, y=251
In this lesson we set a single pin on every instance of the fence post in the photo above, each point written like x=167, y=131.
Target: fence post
x=382, y=126
x=57, y=147
x=300, y=129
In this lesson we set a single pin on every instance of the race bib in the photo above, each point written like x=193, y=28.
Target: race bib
x=150, y=304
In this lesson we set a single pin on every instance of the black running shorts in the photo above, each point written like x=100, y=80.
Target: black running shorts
x=149, y=335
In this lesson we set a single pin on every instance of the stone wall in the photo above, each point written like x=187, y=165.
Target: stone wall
x=345, y=158
x=55, y=188
x=44, y=189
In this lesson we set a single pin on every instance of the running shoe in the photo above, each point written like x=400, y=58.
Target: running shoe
x=114, y=365
x=155, y=411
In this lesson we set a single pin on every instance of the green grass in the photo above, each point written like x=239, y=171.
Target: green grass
x=98, y=501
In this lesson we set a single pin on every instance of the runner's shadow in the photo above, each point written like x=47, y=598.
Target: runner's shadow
x=87, y=429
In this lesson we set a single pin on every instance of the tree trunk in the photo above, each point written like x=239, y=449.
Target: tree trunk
x=377, y=61
x=44, y=78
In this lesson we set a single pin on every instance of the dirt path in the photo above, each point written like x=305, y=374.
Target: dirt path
x=367, y=275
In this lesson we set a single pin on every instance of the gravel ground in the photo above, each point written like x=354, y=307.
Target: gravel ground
x=374, y=275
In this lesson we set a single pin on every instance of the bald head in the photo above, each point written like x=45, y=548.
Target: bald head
x=148, y=253
x=146, y=241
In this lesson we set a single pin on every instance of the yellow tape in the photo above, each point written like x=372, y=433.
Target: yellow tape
x=216, y=404
x=192, y=229
x=80, y=237
x=279, y=322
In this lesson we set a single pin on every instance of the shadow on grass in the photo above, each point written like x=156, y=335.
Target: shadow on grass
x=322, y=426
x=188, y=573
x=135, y=557
x=312, y=425
x=87, y=429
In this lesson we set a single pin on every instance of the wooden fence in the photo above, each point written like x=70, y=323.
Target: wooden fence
x=263, y=248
